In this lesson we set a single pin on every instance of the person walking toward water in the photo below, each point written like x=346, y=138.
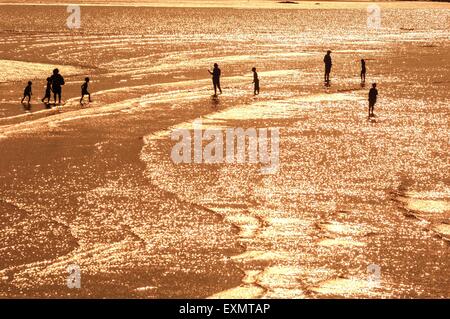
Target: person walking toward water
x=84, y=90
x=48, y=90
x=27, y=92
x=328, y=64
x=373, y=93
x=363, y=71
x=255, y=81
x=216, y=78
x=57, y=81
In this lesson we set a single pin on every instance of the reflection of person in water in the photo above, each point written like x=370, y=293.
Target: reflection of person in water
x=84, y=90
x=328, y=64
x=255, y=81
x=57, y=81
x=216, y=78
x=48, y=90
x=27, y=92
x=363, y=70
x=373, y=93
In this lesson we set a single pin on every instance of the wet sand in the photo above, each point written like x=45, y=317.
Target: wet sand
x=312, y=229
x=95, y=186
x=238, y=4
x=84, y=200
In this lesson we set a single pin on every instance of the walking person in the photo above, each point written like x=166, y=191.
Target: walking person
x=255, y=81
x=27, y=92
x=363, y=71
x=84, y=90
x=57, y=81
x=373, y=93
x=328, y=63
x=216, y=78
x=48, y=90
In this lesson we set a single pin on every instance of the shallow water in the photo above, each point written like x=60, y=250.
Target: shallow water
x=349, y=193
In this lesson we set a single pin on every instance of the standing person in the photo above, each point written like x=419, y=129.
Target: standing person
x=255, y=81
x=373, y=93
x=84, y=90
x=48, y=90
x=363, y=71
x=328, y=64
x=57, y=82
x=216, y=78
x=27, y=92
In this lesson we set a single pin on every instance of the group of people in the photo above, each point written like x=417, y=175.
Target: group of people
x=216, y=80
x=373, y=92
x=56, y=81
x=54, y=84
x=329, y=63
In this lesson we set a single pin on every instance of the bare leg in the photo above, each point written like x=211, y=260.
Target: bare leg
x=327, y=76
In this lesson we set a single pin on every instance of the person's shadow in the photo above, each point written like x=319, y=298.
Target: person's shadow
x=215, y=101
x=26, y=106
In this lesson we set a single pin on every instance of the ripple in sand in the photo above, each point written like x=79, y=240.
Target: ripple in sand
x=256, y=255
x=342, y=229
x=241, y=292
x=248, y=290
x=249, y=225
x=146, y=289
x=15, y=70
x=282, y=277
x=426, y=201
x=443, y=230
x=343, y=286
x=345, y=242
x=425, y=205
x=278, y=109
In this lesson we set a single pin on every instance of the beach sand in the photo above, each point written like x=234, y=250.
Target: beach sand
x=95, y=186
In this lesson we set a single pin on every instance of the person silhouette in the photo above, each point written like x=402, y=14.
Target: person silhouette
x=373, y=93
x=216, y=78
x=48, y=90
x=57, y=81
x=27, y=92
x=363, y=71
x=84, y=90
x=328, y=64
x=255, y=81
